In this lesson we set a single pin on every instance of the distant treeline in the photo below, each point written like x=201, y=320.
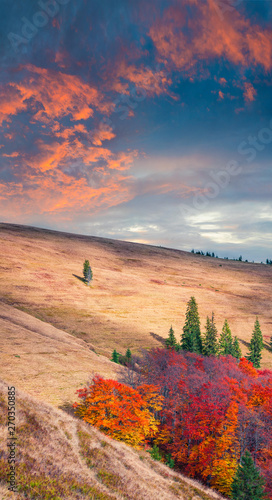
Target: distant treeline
x=212, y=254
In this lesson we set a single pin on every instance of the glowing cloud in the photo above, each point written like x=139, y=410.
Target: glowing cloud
x=185, y=43
x=56, y=93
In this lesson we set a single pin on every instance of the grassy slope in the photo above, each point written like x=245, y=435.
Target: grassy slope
x=49, y=321
x=138, y=291
x=48, y=363
x=60, y=457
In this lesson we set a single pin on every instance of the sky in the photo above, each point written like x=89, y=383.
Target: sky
x=142, y=121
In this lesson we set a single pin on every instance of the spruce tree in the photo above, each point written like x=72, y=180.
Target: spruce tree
x=87, y=272
x=225, y=344
x=171, y=341
x=236, y=351
x=89, y=275
x=128, y=354
x=115, y=356
x=256, y=345
x=210, y=338
x=191, y=338
x=248, y=484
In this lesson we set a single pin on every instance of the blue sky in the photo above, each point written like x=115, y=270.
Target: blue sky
x=149, y=122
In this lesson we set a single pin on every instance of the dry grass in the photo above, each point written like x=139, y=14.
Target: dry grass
x=48, y=363
x=59, y=457
x=138, y=291
x=51, y=323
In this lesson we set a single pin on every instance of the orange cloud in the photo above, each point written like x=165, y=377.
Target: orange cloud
x=68, y=176
x=12, y=155
x=250, y=92
x=206, y=37
x=58, y=93
x=154, y=82
x=54, y=156
x=12, y=102
x=59, y=193
x=66, y=133
x=103, y=133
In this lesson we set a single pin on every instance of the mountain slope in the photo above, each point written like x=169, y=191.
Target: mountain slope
x=60, y=457
x=138, y=291
x=48, y=363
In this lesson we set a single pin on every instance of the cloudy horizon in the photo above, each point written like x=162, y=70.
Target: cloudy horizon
x=146, y=122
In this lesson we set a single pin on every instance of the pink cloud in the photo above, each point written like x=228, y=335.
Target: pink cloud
x=59, y=94
x=12, y=155
x=233, y=38
x=154, y=82
x=250, y=92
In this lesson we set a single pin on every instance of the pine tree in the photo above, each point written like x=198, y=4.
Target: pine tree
x=210, y=338
x=89, y=275
x=191, y=337
x=236, y=351
x=128, y=354
x=256, y=345
x=115, y=356
x=225, y=344
x=248, y=484
x=87, y=272
x=171, y=341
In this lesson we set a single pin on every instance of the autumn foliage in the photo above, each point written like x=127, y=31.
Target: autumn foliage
x=123, y=413
x=204, y=412
x=213, y=411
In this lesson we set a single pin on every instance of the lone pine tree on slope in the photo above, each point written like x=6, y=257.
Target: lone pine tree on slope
x=191, y=337
x=256, y=345
x=87, y=272
x=248, y=484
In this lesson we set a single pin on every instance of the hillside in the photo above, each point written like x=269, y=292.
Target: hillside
x=48, y=363
x=138, y=291
x=60, y=457
x=56, y=332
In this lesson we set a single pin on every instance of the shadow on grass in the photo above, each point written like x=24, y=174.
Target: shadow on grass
x=247, y=344
x=267, y=346
x=80, y=279
x=68, y=408
x=158, y=338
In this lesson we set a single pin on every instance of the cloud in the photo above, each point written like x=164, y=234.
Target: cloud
x=153, y=81
x=67, y=176
x=250, y=92
x=185, y=43
x=12, y=155
x=12, y=102
x=104, y=132
x=56, y=94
